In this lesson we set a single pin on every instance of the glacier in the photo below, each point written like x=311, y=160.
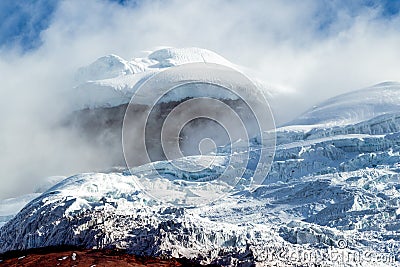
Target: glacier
x=331, y=197
x=319, y=192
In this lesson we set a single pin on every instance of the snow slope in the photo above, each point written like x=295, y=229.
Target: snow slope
x=111, y=81
x=354, y=107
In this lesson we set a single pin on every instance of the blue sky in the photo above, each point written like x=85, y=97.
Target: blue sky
x=23, y=21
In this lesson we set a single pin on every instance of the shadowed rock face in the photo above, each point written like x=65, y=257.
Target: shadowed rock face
x=102, y=127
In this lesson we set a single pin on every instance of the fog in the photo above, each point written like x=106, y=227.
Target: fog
x=306, y=51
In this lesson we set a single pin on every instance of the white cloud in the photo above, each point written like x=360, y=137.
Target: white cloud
x=316, y=50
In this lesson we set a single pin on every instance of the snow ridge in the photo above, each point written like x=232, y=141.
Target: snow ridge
x=111, y=81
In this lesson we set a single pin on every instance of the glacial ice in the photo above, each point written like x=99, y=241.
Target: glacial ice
x=333, y=187
x=319, y=191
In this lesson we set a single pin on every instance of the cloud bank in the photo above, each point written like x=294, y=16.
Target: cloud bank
x=310, y=49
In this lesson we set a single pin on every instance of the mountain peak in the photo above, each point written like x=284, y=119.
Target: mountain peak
x=111, y=80
x=169, y=57
x=105, y=67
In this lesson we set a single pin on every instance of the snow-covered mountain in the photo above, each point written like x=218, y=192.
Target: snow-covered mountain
x=105, y=87
x=332, y=195
x=111, y=80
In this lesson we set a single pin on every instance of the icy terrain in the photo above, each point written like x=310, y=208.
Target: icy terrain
x=326, y=188
x=111, y=81
x=332, y=195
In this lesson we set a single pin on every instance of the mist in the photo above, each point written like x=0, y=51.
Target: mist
x=304, y=51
